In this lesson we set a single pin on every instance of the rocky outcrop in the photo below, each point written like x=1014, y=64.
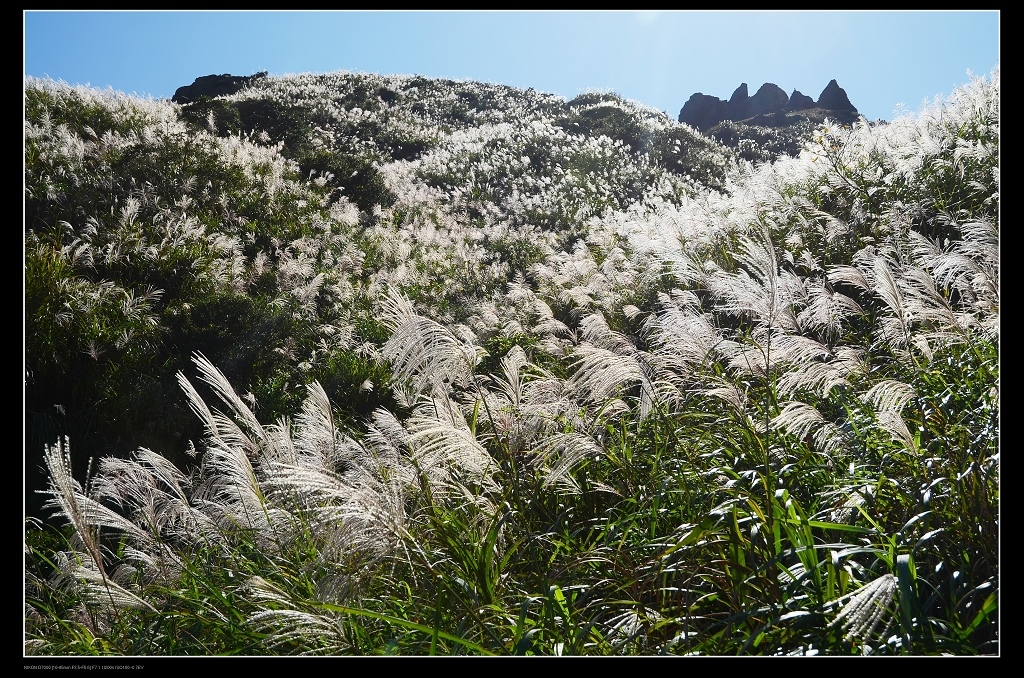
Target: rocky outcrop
x=800, y=102
x=703, y=111
x=738, y=102
x=769, y=106
x=214, y=85
x=769, y=99
x=833, y=98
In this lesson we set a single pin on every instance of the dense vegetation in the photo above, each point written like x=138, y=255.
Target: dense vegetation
x=354, y=364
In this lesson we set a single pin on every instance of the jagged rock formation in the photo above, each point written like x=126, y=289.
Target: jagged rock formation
x=770, y=106
x=833, y=98
x=800, y=102
x=213, y=85
x=769, y=98
x=703, y=111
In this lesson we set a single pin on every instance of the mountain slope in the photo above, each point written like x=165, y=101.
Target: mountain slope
x=559, y=376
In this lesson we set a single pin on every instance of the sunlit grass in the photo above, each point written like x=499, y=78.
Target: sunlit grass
x=532, y=390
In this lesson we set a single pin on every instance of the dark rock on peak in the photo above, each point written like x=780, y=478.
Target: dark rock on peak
x=834, y=98
x=770, y=106
x=770, y=98
x=213, y=86
x=770, y=123
x=703, y=111
x=738, y=103
x=800, y=102
x=739, y=96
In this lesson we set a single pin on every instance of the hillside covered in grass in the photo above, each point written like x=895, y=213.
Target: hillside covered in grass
x=357, y=364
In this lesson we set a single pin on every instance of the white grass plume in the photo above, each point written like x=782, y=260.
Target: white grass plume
x=559, y=453
x=827, y=309
x=608, y=363
x=896, y=426
x=424, y=351
x=279, y=617
x=727, y=391
x=759, y=289
x=866, y=607
x=67, y=497
x=101, y=591
x=890, y=395
x=230, y=491
x=806, y=423
x=445, y=449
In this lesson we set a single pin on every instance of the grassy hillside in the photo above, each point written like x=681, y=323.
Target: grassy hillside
x=357, y=364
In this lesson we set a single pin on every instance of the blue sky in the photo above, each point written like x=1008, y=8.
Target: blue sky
x=881, y=58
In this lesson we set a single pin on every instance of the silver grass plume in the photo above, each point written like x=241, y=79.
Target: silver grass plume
x=759, y=289
x=319, y=441
x=812, y=366
x=524, y=403
x=66, y=496
x=546, y=323
x=503, y=397
x=559, y=453
x=850, y=275
x=939, y=322
x=866, y=607
x=87, y=516
x=971, y=267
x=796, y=349
x=445, y=449
x=423, y=351
x=230, y=491
x=818, y=378
x=290, y=480
x=754, y=355
x=806, y=423
x=895, y=328
x=226, y=393
x=155, y=496
x=387, y=438
x=219, y=427
x=979, y=246
x=284, y=623
x=99, y=590
x=682, y=335
x=350, y=495
x=358, y=519
x=607, y=362
x=728, y=392
x=889, y=397
x=826, y=310
x=894, y=424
